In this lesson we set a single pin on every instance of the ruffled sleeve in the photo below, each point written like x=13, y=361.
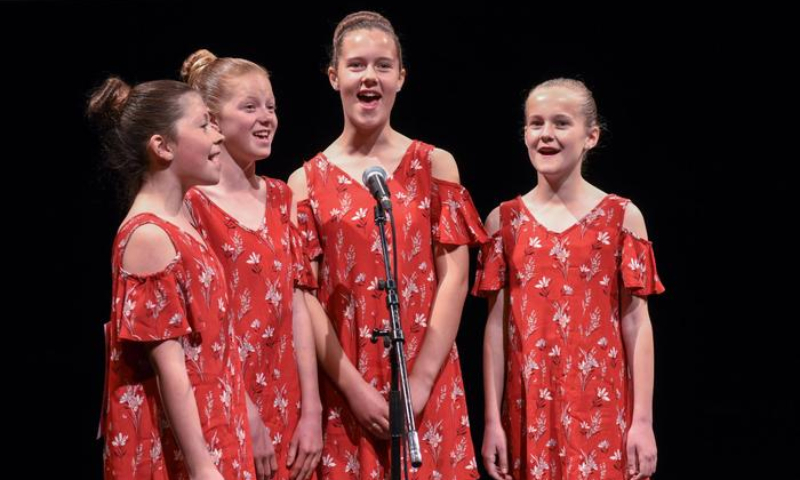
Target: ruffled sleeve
x=303, y=274
x=454, y=218
x=491, y=273
x=308, y=230
x=153, y=307
x=638, y=265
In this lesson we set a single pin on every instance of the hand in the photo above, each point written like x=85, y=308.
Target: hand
x=370, y=409
x=263, y=450
x=305, y=448
x=420, y=393
x=495, y=452
x=640, y=445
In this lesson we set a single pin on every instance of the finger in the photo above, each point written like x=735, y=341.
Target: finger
x=299, y=464
x=308, y=465
x=491, y=467
x=647, y=465
x=292, y=452
x=268, y=472
x=313, y=464
x=260, y=474
x=632, y=466
x=384, y=424
x=273, y=463
x=503, y=459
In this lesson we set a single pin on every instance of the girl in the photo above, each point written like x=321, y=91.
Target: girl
x=435, y=221
x=246, y=220
x=568, y=350
x=175, y=403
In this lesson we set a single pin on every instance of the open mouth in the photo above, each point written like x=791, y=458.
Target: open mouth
x=263, y=134
x=369, y=98
x=548, y=151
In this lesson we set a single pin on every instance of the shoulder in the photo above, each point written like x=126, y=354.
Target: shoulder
x=493, y=221
x=443, y=166
x=149, y=249
x=297, y=184
x=634, y=220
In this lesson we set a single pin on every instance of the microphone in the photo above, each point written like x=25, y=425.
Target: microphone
x=374, y=179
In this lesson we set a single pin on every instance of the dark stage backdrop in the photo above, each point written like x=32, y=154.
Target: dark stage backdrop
x=722, y=405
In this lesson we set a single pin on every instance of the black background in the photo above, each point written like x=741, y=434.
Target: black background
x=671, y=84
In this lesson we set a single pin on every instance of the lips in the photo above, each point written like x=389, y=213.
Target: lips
x=368, y=96
x=548, y=151
x=263, y=134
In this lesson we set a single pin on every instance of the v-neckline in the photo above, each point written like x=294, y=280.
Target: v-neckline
x=569, y=228
x=238, y=222
x=391, y=175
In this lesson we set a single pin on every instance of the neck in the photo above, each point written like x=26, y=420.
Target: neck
x=236, y=176
x=566, y=188
x=362, y=141
x=161, y=194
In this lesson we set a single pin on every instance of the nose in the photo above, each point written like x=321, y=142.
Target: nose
x=218, y=136
x=266, y=115
x=369, y=76
x=547, y=131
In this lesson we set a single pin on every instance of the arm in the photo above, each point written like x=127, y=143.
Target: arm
x=452, y=270
x=150, y=250
x=263, y=451
x=177, y=396
x=637, y=336
x=495, y=450
x=305, y=448
x=367, y=404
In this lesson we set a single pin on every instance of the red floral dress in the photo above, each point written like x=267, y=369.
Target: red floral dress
x=568, y=393
x=262, y=267
x=338, y=222
x=186, y=301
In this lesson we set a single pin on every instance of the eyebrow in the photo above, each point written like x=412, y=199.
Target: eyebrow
x=557, y=116
x=379, y=59
x=254, y=98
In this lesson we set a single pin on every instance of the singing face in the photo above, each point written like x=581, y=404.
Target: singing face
x=556, y=132
x=197, y=142
x=368, y=77
x=248, y=117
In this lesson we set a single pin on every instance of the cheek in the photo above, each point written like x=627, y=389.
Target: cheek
x=530, y=137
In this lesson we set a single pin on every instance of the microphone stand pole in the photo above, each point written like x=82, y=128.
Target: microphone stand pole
x=400, y=408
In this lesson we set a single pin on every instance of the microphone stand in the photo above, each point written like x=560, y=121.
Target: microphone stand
x=399, y=395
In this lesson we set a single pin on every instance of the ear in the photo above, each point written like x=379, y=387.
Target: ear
x=333, y=78
x=159, y=146
x=592, y=138
x=402, y=79
x=212, y=119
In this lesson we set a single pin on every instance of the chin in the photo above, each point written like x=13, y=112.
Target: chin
x=263, y=153
x=369, y=123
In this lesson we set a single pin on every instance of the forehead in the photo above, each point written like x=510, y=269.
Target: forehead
x=361, y=41
x=193, y=105
x=250, y=84
x=554, y=100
